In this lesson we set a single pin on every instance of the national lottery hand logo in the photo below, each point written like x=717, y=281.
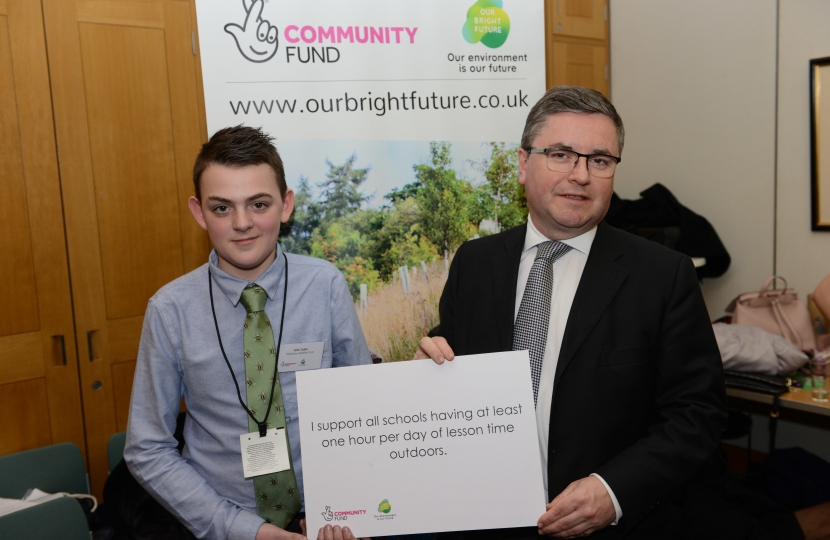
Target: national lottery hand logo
x=256, y=39
x=488, y=23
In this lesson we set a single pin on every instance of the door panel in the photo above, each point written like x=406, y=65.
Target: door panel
x=122, y=383
x=16, y=266
x=133, y=166
x=124, y=82
x=580, y=65
x=23, y=405
x=580, y=18
x=39, y=395
x=21, y=357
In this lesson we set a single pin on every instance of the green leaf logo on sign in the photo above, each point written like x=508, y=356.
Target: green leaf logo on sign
x=488, y=23
x=384, y=506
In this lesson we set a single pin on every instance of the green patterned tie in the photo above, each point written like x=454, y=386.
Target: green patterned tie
x=277, y=496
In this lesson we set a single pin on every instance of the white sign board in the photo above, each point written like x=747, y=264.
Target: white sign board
x=414, y=447
x=459, y=70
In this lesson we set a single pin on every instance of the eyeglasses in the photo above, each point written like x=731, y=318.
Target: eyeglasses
x=564, y=161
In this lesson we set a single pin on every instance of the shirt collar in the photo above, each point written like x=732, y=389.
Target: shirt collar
x=581, y=243
x=270, y=280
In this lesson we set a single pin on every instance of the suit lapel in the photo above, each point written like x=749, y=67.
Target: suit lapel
x=505, y=268
x=601, y=279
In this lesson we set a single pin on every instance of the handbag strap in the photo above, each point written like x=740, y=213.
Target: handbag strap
x=768, y=283
x=785, y=324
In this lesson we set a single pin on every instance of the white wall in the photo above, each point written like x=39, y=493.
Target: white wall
x=694, y=83
x=803, y=256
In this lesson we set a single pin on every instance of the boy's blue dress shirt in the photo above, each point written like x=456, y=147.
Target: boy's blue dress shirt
x=179, y=356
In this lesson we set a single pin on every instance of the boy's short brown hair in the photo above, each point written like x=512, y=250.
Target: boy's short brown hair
x=239, y=146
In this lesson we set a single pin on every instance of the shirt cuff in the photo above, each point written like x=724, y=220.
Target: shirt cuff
x=245, y=526
x=614, y=500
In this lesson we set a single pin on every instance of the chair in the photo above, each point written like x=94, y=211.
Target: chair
x=60, y=519
x=115, y=448
x=53, y=469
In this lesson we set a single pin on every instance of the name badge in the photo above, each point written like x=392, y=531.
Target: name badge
x=300, y=356
x=264, y=455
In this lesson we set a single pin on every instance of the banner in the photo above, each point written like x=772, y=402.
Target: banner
x=436, y=448
x=375, y=69
x=398, y=124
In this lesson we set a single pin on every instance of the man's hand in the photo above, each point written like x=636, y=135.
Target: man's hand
x=584, y=507
x=436, y=348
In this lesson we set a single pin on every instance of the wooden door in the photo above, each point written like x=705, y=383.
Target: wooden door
x=128, y=124
x=40, y=402
x=577, y=44
x=580, y=18
x=581, y=64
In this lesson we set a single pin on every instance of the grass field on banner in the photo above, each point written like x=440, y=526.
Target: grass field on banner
x=393, y=322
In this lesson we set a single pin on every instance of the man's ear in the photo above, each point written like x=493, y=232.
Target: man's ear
x=523, y=156
x=196, y=209
x=287, y=205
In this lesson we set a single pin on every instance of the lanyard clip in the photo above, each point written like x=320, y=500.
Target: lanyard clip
x=262, y=429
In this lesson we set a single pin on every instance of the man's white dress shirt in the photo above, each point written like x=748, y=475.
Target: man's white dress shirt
x=567, y=271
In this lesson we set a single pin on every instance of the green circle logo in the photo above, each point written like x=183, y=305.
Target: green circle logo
x=487, y=23
x=384, y=506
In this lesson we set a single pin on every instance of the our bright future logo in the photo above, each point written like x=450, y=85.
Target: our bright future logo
x=384, y=506
x=488, y=23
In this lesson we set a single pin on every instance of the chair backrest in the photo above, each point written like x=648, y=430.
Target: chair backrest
x=53, y=469
x=60, y=519
x=115, y=448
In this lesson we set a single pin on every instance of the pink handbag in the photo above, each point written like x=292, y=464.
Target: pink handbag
x=778, y=311
x=821, y=296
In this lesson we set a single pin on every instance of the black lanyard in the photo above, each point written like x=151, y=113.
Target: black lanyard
x=263, y=427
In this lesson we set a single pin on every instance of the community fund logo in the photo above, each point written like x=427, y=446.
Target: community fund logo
x=487, y=23
x=256, y=39
x=340, y=515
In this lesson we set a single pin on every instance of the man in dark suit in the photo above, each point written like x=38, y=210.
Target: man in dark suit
x=630, y=387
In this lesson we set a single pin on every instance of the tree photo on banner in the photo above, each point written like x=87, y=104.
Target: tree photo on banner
x=397, y=123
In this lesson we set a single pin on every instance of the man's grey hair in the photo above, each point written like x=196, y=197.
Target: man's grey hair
x=575, y=99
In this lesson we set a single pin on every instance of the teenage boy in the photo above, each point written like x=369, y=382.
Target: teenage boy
x=215, y=336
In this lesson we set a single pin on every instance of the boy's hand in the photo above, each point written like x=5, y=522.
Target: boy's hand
x=267, y=531
x=436, y=348
x=336, y=533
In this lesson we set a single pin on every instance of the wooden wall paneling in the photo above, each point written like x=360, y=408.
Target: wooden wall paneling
x=200, y=95
x=581, y=18
x=581, y=64
x=188, y=133
x=20, y=313
x=23, y=406
x=21, y=357
x=82, y=236
x=122, y=383
x=122, y=76
x=577, y=44
x=38, y=367
x=133, y=163
x=549, y=8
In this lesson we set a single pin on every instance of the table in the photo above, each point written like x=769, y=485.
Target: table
x=796, y=398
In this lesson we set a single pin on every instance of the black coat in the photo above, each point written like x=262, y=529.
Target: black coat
x=638, y=394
